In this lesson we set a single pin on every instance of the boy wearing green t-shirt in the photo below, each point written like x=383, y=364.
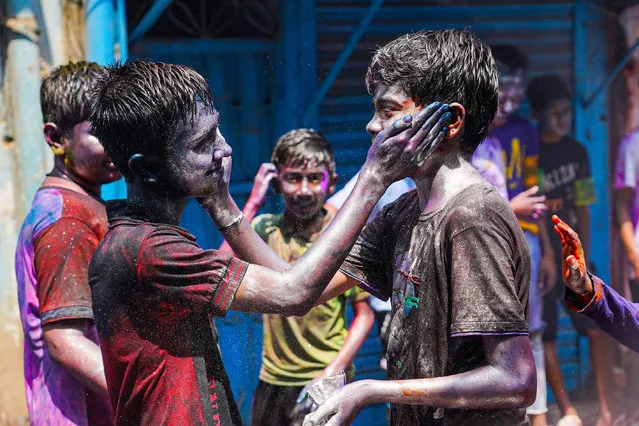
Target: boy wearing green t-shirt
x=300, y=350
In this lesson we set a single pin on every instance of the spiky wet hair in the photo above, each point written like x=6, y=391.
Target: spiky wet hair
x=446, y=66
x=141, y=106
x=65, y=94
x=301, y=147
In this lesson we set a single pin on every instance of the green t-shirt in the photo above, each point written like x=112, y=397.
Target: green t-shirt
x=297, y=349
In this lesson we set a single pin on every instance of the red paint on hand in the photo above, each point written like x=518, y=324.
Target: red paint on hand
x=573, y=267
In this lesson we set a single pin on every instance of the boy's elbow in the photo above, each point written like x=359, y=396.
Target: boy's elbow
x=526, y=385
x=528, y=395
x=55, y=345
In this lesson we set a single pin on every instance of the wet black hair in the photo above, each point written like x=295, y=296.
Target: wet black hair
x=140, y=107
x=546, y=89
x=446, y=66
x=65, y=94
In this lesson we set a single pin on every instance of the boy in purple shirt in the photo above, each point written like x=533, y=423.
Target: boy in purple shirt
x=589, y=296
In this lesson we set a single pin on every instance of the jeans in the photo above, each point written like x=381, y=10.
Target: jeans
x=536, y=325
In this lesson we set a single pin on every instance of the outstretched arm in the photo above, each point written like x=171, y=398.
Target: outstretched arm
x=278, y=287
x=588, y=295
x=508, y=381
x=266, y=173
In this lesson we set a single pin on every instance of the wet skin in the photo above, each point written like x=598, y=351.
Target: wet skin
x=391, y=104
x=197, y=161
x=197, y=164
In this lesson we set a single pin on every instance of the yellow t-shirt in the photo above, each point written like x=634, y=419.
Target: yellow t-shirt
x=297, y=349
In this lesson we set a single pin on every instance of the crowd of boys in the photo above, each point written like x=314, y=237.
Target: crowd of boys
x=449, y=219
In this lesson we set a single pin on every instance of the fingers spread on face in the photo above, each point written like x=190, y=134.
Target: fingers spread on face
x=423, y=151
x=389, y=134
x=428, y=127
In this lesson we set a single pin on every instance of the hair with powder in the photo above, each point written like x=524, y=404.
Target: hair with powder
x=302, y=147
x=446, y=66
x=142, y=107
x=65, y=94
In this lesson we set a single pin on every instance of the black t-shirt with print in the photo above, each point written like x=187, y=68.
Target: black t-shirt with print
x=453, y=275
x=566, y=180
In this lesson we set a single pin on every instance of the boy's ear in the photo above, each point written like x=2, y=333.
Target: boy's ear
x=456, y=123
x=53, y=138
x=331, y=187
x=140, y=167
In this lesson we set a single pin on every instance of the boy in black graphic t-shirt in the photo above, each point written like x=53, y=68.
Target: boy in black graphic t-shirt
x=566, y=181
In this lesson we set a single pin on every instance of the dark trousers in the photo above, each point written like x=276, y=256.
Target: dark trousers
x=272, y=404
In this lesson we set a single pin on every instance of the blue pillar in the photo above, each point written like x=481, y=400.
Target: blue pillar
x=591, y=123
x=23, y=72
x=123, y=38
x=100, y=32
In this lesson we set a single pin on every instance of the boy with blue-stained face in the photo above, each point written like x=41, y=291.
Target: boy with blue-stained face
x=450, y=255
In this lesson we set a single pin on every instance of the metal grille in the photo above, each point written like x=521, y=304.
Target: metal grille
x=542, y=29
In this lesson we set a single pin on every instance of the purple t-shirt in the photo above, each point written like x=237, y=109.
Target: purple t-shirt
x=627, y=175
x=519, y=141
x=56, y=242
x=489, y=162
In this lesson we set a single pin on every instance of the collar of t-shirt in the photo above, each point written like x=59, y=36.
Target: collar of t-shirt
x=123, y=211
x=69, y=185
x=561, y=144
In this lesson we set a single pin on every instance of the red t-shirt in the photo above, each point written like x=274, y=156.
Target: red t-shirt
x=154, y=293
